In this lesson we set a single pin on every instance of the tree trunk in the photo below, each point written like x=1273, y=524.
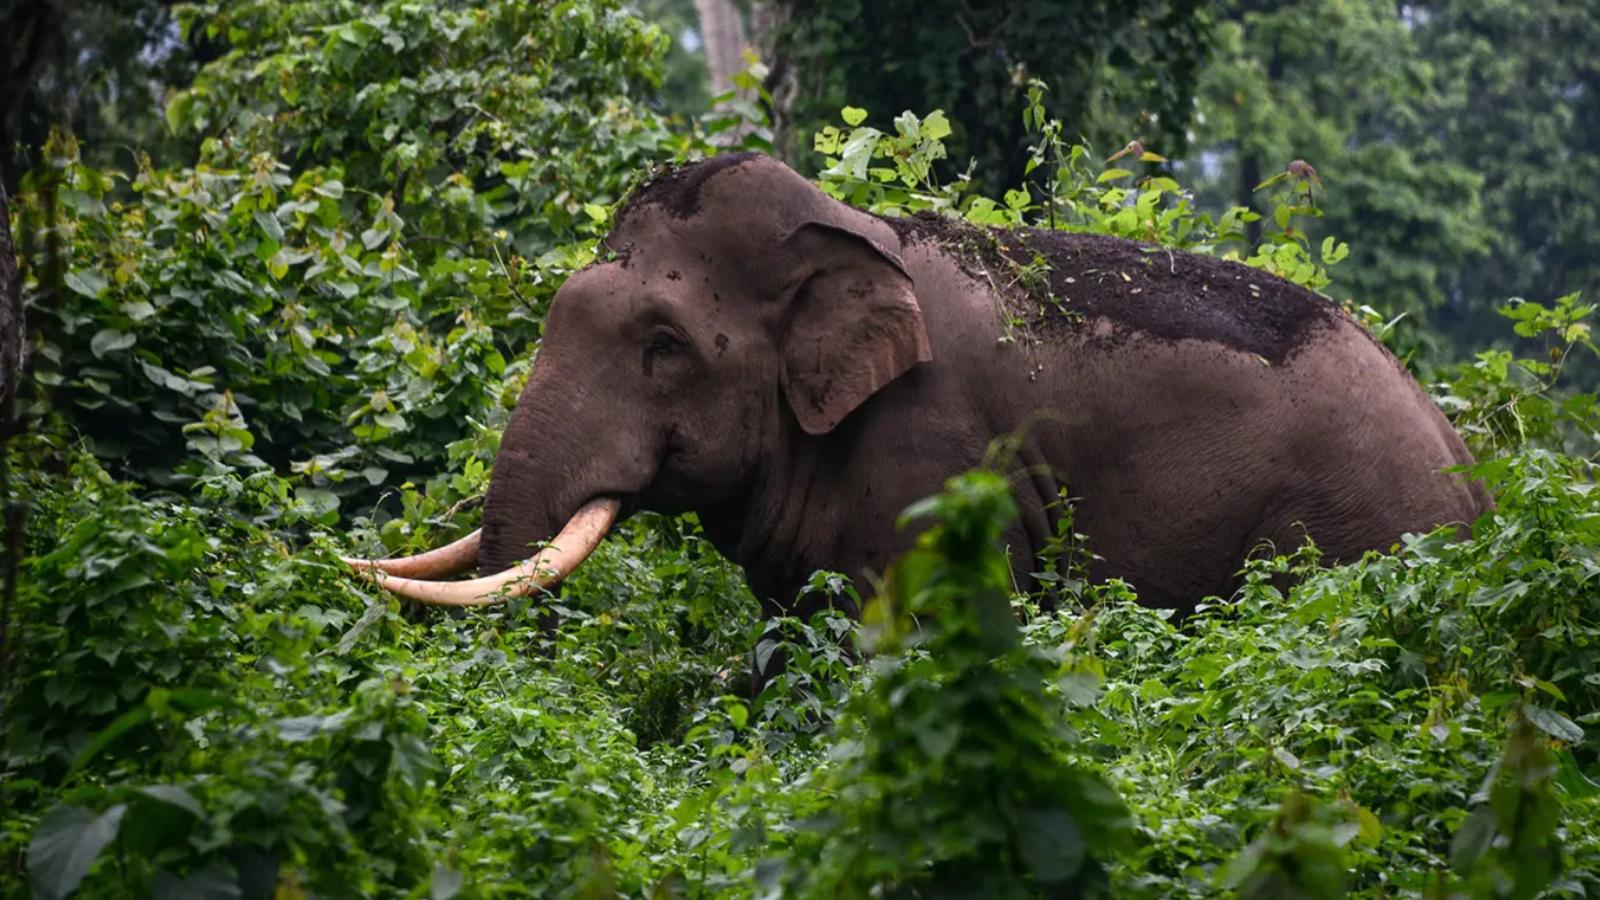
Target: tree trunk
x=10, y=310
x=722, y=31
x=10, y=379
x=768, y=19
x=1249, y=177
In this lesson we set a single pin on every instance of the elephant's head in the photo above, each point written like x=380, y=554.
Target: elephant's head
x=736, y=307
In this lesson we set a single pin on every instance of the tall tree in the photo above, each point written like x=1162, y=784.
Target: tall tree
x=722, y=33
x=11, y=347
x=11, y=324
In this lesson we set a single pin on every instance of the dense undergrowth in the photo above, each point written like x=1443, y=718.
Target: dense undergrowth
x=245, y=357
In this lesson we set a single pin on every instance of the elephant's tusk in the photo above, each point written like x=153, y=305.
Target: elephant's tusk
x=457, y=556
x=550, y=567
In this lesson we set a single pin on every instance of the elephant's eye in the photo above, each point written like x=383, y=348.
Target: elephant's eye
x=663, y=344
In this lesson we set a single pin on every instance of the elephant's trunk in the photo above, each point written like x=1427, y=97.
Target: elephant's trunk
x=552, y=480
x=550, y=567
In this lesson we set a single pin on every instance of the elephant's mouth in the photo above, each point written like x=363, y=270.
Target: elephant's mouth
x=417, y=577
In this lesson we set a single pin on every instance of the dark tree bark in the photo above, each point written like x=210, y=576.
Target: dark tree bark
x=33, y=38
x=11, y=327
x=1249, y=177
x=1250, y=162
x=10, y=379
x=767, y=21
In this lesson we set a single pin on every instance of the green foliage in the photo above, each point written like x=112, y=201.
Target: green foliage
x=526, y=108
x=894, y=174
x=1299, y=854
x=158, y=699
x=386, y=196
x=1509, y=847
x=1123, y=70
x=1350, y=722
x=1503, y=402
x=97, y=67
x=235, y=311
x=954, y=768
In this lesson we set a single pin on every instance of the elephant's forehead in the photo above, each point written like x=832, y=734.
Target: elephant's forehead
x=698, y=259
x=620, y=290
x=715, y=238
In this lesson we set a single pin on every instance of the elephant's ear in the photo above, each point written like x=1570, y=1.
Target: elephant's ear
x=854, y=325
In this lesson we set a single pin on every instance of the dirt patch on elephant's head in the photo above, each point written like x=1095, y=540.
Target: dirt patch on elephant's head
x=676, y=190
x=1056, y=278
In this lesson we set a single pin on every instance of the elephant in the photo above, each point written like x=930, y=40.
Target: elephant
x=797, y=372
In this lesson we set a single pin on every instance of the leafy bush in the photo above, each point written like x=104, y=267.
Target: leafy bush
x=349, y=278
x=955, y=773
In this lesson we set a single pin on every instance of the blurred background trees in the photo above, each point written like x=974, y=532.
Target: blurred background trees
x=1455, y=139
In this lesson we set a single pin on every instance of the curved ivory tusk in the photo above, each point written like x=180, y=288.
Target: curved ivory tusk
x=553, y=564
x=454, y=557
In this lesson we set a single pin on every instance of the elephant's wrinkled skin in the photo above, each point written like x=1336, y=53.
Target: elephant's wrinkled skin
x=798, y=372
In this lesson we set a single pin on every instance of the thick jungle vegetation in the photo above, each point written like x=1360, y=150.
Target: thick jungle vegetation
x=285, y=268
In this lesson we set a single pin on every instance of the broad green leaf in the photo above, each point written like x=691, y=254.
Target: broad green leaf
x=110, y=340
x=138, y=310
x=318, y=500
x=1554, y=724
x=176, y=109
x=269, y=225
x=124, y=723
x=296, y=729
x=88, y=282
x=213, y=882
x=908, y=125
x=172, y=795
x=1471, y=840
x=65, y=845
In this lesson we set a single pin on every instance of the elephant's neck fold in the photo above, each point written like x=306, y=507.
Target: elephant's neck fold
x=787, y=527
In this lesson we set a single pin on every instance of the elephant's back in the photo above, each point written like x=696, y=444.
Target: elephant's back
x=1171, y=294
x=1060, y=279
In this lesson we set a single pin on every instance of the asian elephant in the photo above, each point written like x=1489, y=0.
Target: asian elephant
x=798, y=372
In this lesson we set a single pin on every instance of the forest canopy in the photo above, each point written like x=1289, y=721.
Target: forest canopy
x=285, y=268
